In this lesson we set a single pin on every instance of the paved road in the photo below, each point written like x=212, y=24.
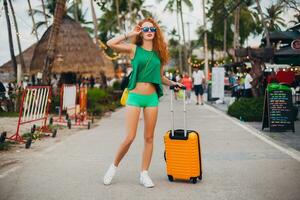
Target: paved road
x=237, y=164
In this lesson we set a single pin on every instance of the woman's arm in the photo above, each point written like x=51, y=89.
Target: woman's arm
x=166, y=81
x=119, y=45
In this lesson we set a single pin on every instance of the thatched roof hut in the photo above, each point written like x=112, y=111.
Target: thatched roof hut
x=7, y=70
x=75, y=52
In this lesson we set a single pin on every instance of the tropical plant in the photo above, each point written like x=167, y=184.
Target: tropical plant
x=94, y=21
x=296, y=19
x=293, y=5
x=74, y=10
x=249, y=22
x=118, y=15
x=176, y=5
x=273, y=19
x=175, y=47
x=264, y=23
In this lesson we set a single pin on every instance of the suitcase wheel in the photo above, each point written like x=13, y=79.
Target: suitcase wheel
x=170, y=178
x=194, y=180
x=200, y=177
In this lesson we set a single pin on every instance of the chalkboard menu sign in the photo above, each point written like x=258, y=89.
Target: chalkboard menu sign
x=278, y=109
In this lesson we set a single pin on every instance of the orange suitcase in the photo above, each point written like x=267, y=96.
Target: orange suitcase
x=182, y=151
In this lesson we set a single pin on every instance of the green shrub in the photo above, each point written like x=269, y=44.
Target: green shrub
x=96, y=96
x=97, y=110
x=8, y=114
x=247, y=109
x=5, y=146
x=55, y=101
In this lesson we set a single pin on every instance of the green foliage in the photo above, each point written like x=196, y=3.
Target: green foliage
x=108, y=24
x=5, y=146
x=96, y=97
x=8, y=114
x=274, y=21
x=37, y=135
x=219, y=9
x=74, y=10
x=55, y=101
x=247, y=109
x=100, y=101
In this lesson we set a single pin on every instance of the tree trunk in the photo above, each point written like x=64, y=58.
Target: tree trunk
x=18, y=36
x=236, y=28
x=95, y=22
x=33, y=22
x=44, y=11
x=205, y=41
x=58, y=15
x=264, y=23
x=10, y=40
x=225, y=37
x=183, y=36
x=75, y=2
x=118, y=14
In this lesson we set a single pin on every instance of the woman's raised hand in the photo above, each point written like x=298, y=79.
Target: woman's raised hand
x=137, y=30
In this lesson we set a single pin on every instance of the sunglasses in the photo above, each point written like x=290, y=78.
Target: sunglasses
x=146, y=29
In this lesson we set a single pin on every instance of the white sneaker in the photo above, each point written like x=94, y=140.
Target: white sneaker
x=145, y=180
x=109, y=175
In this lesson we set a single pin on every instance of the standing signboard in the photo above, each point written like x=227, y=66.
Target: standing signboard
x=278, y=108
x=218, y=74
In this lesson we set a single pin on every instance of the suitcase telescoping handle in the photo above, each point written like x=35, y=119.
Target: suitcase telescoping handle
x=172, y=88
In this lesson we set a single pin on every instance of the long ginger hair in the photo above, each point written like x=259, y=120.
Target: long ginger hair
x=159, y=44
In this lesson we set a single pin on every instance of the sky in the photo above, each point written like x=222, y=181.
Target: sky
x=193, y=17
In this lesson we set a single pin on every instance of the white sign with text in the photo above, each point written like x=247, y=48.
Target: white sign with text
x=218, y=74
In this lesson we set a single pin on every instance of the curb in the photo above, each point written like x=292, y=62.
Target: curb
x=278, y=145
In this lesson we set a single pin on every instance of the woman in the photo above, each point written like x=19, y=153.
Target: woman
x=148, y=54
x=188, y=83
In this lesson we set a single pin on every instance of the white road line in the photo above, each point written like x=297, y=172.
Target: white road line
x=291, y=152
x=9, y=171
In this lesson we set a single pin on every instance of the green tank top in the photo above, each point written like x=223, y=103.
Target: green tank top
x=143, y=73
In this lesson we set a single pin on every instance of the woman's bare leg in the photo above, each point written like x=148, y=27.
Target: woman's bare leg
x=150, y=117
x=132, y=118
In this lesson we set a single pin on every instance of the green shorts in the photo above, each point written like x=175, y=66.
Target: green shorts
x=142, y=100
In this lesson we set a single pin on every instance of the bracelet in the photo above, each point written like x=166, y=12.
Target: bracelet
x=125, y=36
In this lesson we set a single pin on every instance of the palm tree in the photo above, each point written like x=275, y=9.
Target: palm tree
x=44, y=12
x=110, y=23
x=236, y=33
x=264, y=23
x=33, y=22
x=177, y=6
x=273, y=19
x=297, y=19
x=58, y=15
x=17, y=35
x=189, y=4
x=11, y=45
x=75, y=11
x=205, y=41
x=95, y=22
x=118, y=13
x=175, y=47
